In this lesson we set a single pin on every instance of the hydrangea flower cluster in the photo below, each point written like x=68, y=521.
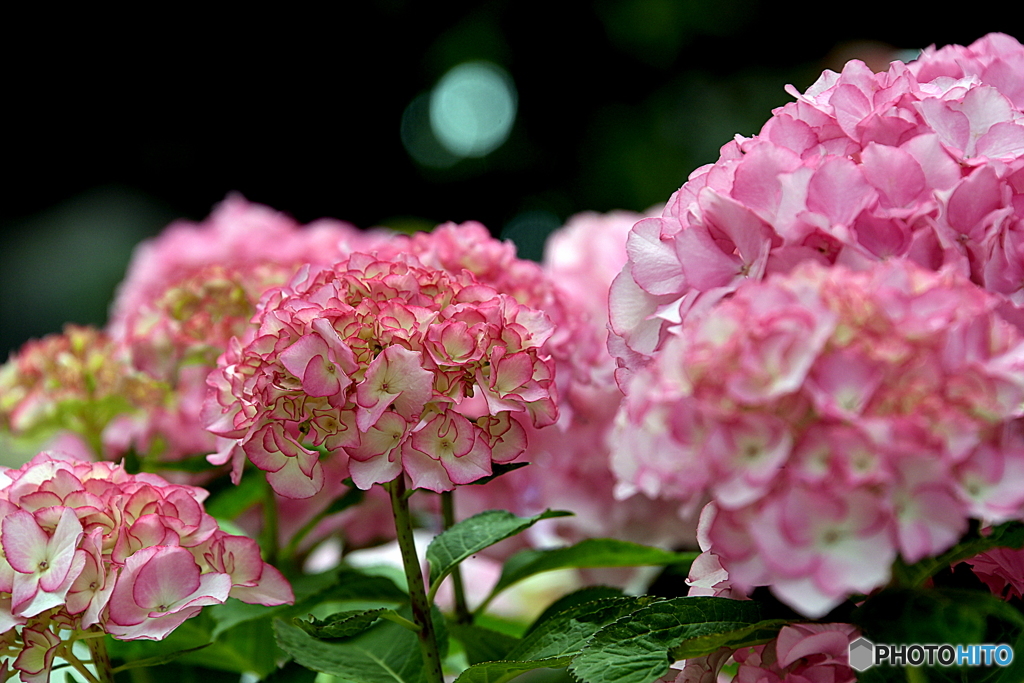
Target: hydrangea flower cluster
x=79, y=380
x=401, y=367
x=836, y=418
x=923, y=162
x=87, y=546
x=189, y=291
x=194, y=287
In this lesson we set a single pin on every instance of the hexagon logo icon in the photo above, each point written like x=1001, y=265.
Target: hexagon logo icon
x=862, y=654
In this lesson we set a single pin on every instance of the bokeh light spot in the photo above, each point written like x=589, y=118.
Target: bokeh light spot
x=472, y=109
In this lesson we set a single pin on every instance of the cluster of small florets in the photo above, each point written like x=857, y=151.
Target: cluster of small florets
x=87, y=546
x=923, y=162
x=575, y=344
x=192, y=289
x=836, y=418
x=402, y=367
x=79, y=381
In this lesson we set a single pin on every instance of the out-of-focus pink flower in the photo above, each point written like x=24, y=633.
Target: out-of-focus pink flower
x=192, y=288
x=836, y=418
x=704, y=669
x=77, y=381
x=85, y=545
x=1002, y=570
x=923, y=162
x=802, y=653
x=341, y=359
x=195, y=286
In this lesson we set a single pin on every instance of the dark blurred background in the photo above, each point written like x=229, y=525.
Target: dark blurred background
x=391, y=112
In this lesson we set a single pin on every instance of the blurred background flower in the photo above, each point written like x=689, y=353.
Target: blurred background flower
x=516, y=114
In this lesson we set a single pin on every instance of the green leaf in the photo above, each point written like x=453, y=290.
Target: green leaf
x=248, y=648
x=341, y=624
x=497, y=470
x=472, y=535
x=482, y=644
x=554, y=643
x=231, y=501
x=385, y=654
x=577, y=597
x=158, y=660
x=310, y=591
x=755, y=634
x=637, y=649
x=195, y=463
x=292, y=672
x=588, y=554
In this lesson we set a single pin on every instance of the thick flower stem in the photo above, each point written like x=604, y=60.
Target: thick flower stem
x=101, y=659
x=462, y=613
x=414, y=575
x=269, y=538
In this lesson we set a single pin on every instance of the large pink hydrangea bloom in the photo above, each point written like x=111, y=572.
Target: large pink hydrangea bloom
x=85, y=545
x=836, y=418
x=923, y=162
x=400, y=367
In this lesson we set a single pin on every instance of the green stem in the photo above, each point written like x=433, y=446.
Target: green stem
x=401, y=621
x=68, y=656
x=414, y=575
x=269, y=540
x=462, y=613
x=100, y=659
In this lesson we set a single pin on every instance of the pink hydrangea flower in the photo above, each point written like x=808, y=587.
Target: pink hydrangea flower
x=191, y=289
x=574, y=343
x=78, y=381
x=570, y=460
x=923, y=162
x=85, y=545
x=1002, y=570
x=400, y=367
x=836, y=418
x=802, y=653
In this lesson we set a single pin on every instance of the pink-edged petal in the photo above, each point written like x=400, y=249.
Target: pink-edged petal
x=424, y=471
x=375, y=470
x=24, y=543
x=292, y=482
x=171, y=575
x=297, y=356
x=271, y=589
x=661, y=272
x=396, y=376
